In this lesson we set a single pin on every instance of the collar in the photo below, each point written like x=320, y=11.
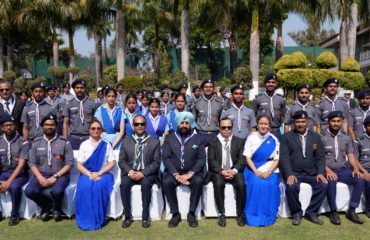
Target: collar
x=16, y=137
x=41, y=102
x=207, y=99
x=127, y=112
x=241, y=107
x=263, y=136
x=268, y=95
x=222, y=139
x=11, y=99
x=51, y=140
x=153, y=118
x=335, y=99
x=83, y=100
x=304, y=135
x=91, y=142
x=338, y=134
x=105, y=105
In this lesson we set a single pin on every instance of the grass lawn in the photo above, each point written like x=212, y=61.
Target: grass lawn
x=208, y=229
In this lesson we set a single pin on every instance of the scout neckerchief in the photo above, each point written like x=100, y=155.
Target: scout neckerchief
x=304, y=106
x=239, y=116
x=9, y=152
x=182, y=144
x=209, y=109
x=49, y=147
x=37, y=112
x=81, y=113
x=271, y=104
x=139, y=145
x=332, y=102
x=336, y=144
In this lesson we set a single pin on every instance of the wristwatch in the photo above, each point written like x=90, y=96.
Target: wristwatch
x=56, y=175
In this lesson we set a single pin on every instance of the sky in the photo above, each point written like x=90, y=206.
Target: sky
x=85, y=46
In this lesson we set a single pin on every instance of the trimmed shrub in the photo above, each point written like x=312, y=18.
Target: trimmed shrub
x=326, y=60
x=110, y=76
x=290, y=78
x=319, y=76
x=73, y=70
x=297, y=60
x=174, y=79
x=150, y=81
x=132, y=83
x=20, y=84
x=350, y=65
x=91, y=84
x=282, y=63
x=352, y=80
x=224, y=82
x=243, y=75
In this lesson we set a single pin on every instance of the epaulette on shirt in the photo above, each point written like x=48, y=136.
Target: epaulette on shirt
x=38, y=139
x=62, y=138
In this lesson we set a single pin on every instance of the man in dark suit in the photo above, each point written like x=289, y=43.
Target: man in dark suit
x=302, y=159
x=226, y=164
x=184, y=158
x=10, y=104
x=139, y=161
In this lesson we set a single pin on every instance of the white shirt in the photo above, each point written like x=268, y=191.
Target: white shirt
x=87, y=148
x=222, y=140
x=11, y=104
x=254, y=140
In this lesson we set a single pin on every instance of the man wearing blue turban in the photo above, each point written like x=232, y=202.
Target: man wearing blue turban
x=184, y=158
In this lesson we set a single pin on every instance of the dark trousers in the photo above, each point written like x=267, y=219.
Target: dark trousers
x=146, y=194
x=34, y=192
x=76, y=141
x=15, y=189
x=345, y=176
x=169, y=185
x=367, y=193
x=318, y=194
x=219, y=191
x=207, y=137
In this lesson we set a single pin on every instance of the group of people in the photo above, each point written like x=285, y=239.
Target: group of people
x=199, y=139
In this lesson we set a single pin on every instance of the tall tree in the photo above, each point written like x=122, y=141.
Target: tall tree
x=120, y=40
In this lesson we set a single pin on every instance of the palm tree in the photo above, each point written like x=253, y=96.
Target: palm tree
x=120, y=40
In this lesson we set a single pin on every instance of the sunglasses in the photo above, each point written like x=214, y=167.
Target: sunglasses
x=139, y=124
x=5, y=90
x=226, y=127
x=95, y=128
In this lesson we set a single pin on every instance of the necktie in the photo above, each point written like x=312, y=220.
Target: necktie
x=227, y=164
x=138, y=154
x=7, y=106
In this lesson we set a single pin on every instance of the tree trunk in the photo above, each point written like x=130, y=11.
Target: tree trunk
x=157, y=54
x=98, y=59
x=71, y=49
x=343, y=49
x=352, y=30
x=233, y=52
x=120, y=41
x=185, y=40
x=1, y=56
x=279, y=42
x=105, y=51
x=254, y=50
x=55, y=49
x=10, y=54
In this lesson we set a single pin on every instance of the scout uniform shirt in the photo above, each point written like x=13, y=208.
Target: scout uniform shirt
x=11, y=151
x=207, y=113
x=274, y=107
x=364, y=151
x=313, y=116
x=355, y=120
x=51, y=156
x=326, y=106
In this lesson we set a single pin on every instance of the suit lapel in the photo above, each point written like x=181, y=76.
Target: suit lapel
x=219, y=150
x=297, y=139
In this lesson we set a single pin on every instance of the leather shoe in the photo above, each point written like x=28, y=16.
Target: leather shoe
x=127, y=222
x=14, y=220
x=175, y=220
x=1, y=215
x=352, y=216
x=367, y=213
x=240, y=220
x=222, y=220
x=192, y=220
x=145, y=223
x=45, y=215
x=314, y=220
x=57, y=215
x=334, y=218
x=297, y=220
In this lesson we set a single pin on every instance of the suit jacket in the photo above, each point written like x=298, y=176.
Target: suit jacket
x=16, y=113
x=194, y=155
x=152, y=156
x=215, y=156
x=291, y=157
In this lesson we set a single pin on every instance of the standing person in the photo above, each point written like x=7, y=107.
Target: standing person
x=100, y=97
x=95, y=161
x=331, y=102
x=244, y=121
x=139, y=161
x=271, y=104
x=13, y=168
x=341, y=166
x=131, y=111
x=350, y=101
x=144, y=105
x=261, y=151
x=51, y=158
x=358, y=114
x=302, y=159
x=166, y=104
x=33, y=114
x=112, y=118
x=25, y=97
x=302, y=102
x=67, y=95
x=197, y=92
x=57, y=92
x=78, y=114
x=10, y=104
x=184, y=158
x=226, y=165
x=156, y=124
x=180, y=106
x=55, y=102
x=223, y=95
x=207, y=112
x=183, y=88
x=121, y=96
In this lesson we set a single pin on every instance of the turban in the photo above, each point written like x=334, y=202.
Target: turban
x=189, y=117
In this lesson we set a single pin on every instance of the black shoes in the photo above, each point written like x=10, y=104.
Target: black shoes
x=1, y=215
x=175, y=220
x=367, y=213
x=222, y=220
x=57, y=215
x=240, y=220
x=127, y=222
x=192, y=220
x=314, y=220
x=45, y=215
x=334, y=218
x=296, y=220
x=14, y=220
x=145, y=223
x=352, y=216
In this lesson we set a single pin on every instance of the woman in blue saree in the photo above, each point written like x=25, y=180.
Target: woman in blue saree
x=155, y=123
x=95, y=161
x=261, y=175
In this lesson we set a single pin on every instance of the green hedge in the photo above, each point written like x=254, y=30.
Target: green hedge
x=326, y=60
x=132, y=83
x=352, y=80
x=350, y=65
x=243, y=75
x=321, y=75
x=289, y=78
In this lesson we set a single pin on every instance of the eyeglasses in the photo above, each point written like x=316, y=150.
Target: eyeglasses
x=139, y=124
x=95, y=128
x=5, y=90
x=226, y=127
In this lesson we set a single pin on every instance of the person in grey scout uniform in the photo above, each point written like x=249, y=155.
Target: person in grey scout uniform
x=55, y=102
x=223, y=95
x=302, y=102
x=242, y=117
x=331, y=102
x=33, y=113
x=183, y=87
x=121, y=96
x=51, y=158
x=271, y=104
x=358, y=114
x=207, y=112
x=363, y=156
x=341, y=166
x=13, y=169
x=67, y=95
x=78, y=113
